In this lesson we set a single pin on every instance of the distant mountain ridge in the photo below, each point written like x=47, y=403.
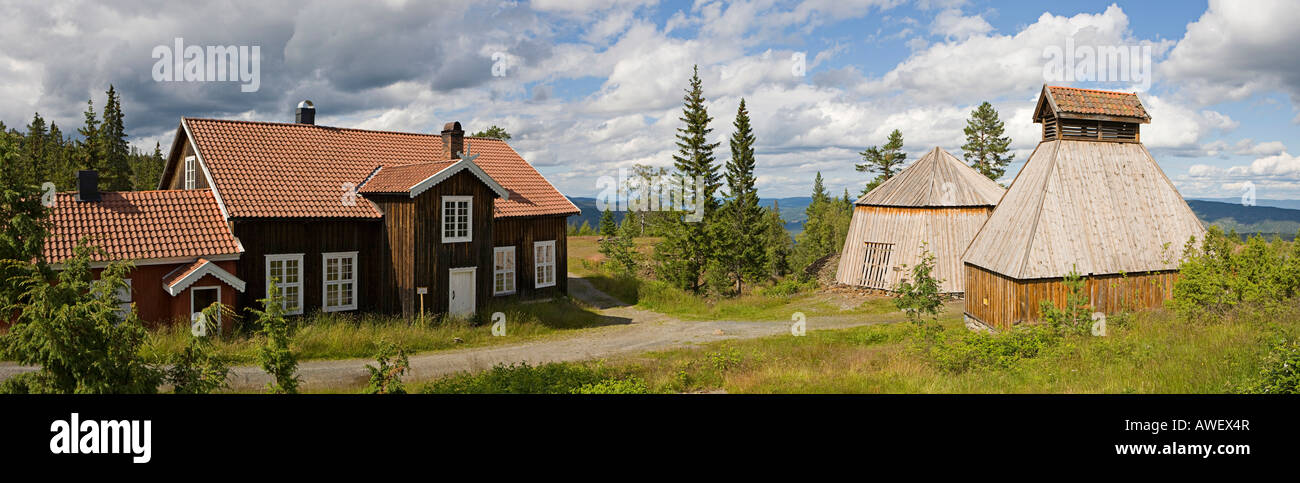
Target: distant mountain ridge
x=1268, y=217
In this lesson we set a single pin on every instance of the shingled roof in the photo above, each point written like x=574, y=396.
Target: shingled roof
x=139, y=225
x=287, y=170
x=1089, y=103
x=937, y=179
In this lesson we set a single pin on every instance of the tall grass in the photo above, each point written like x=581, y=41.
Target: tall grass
x=345, y=335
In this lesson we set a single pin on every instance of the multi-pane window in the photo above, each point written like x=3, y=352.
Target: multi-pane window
x=456, y=219
x=340, y=281
x=503, y=270
x=544, y=263
x=190, y=172
x=286, y=270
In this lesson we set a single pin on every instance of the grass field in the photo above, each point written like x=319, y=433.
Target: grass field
x=341, y=336
x=1149, y=352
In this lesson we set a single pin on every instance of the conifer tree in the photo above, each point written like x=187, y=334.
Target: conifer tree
x=607, y=225
x=116, y=172
x=746, y=257
x=688, y=246
x=885, y=160
x=986, y=147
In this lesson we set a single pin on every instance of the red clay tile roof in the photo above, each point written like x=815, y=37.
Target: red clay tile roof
x=263, y=169
x=400, y=179
x=175, y=276
x=1072, y=100
x=175, y=281
x=137, y=225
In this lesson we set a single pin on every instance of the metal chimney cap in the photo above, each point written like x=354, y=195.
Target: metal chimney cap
x=306, y=104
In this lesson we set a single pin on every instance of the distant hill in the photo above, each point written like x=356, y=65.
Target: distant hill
x=1248, y=220
x=1288, y=204
x=1267, y=220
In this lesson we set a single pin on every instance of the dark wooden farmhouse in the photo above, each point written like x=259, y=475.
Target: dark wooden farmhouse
x=1090, y=199
x=358, y=220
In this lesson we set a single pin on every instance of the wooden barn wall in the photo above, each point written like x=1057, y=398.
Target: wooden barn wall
x=310, y=237
x=433, y=258
x=521, y=233
x=1002, y=302
x=395, y=285
x=947, y=232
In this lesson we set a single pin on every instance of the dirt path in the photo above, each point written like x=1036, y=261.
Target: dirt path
x=640, y=331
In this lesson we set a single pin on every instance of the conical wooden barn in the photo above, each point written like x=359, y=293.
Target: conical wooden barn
x=937, y=200
x=1090, y=199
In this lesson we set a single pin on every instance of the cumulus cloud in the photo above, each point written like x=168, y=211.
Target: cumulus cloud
x=1238, y=49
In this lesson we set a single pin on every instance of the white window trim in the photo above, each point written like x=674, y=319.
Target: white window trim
x=469, y=223
x=301, y=273
x=217, y=323
x=537, y=264
x=325, y=283
x=514, y=263
x=191, y=174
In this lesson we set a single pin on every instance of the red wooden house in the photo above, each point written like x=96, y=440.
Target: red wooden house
x=360, y=220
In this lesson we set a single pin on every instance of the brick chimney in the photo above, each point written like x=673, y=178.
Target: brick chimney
x=453, y=140
x=88, y=185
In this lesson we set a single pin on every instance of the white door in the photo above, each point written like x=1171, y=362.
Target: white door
x=461, y=291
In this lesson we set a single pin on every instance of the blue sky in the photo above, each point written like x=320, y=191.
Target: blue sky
x=593, y=86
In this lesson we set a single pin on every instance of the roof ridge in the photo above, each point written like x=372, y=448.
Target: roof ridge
x=273, y=123
x=1093, y=90
x=1038, y=214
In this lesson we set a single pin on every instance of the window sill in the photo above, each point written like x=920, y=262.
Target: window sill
x=338, y=309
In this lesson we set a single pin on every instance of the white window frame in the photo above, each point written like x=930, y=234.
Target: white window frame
x=469, y=219
x=301, y=272
x=326, y=283
x=538, y=265
x=191, y=172
x=501, y=272
x=216, y=323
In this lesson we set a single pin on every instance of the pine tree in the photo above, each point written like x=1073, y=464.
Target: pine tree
x=493, y=132
x=688, y=246
x=777, y=242
x=986, y=147
x=607, y=225
x=33, y=167
x=883, y=160
x=746, y=256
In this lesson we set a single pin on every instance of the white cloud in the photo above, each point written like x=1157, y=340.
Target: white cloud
x=952, y=24
x=1237, y=49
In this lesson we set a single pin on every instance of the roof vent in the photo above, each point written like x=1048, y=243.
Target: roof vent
x=306, y=113
x=88, y=185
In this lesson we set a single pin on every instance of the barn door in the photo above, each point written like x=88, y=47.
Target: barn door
x=460, y=291
x=875, y=264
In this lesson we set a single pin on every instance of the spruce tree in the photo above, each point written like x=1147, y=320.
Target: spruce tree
x=986, y=147
x=33, y=167
x=746, y=257
x=116, y=174
x=607, y=225
x=885, y=160
x=688, y=246
x=89, y=154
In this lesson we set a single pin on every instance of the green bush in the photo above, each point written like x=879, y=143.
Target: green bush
x=391, y=363
x=964, y=351
x=1075, y=318
x=630, y=385
x=1222, y=274
x=1280, y=373
x=789, y=286
x=556, y=378
x=919, y=297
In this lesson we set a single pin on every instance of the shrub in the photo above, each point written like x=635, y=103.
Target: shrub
x=1222, y=274
x=198, y=369
x=391, y=363
x=789, y=286
x=1280, y=373
x=630, y=385
x=70, y=325
x=966, y=351
x=557, y=378
x=275, y=357
x=1075, y=317
x=919, y=297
